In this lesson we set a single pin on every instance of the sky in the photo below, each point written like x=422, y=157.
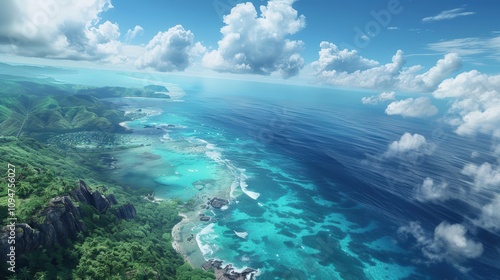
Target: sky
x=335, y=43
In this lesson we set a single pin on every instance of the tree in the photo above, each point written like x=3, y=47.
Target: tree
x=41, y=275
x=24, y=273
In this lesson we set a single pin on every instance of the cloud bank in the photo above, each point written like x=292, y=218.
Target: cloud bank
x=419, y=107
x=375, y=99
x=59, y=29
x=347, y=68
x=475, y=102
x=257, y=44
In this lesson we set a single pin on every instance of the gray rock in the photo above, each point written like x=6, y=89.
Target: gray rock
x=112, y=199
x=126, y=211
x=228, y=273
x=204, y=219
x=62, y=222
x=95, y=199
x=218, y=202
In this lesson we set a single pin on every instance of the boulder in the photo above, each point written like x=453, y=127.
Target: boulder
x=218, y=202
x=205, y=219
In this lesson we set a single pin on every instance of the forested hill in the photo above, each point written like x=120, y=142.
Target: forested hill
x=28, y=107
x=106, y=242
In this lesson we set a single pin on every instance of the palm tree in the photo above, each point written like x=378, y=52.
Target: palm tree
x=41, y=275
x=24, y=273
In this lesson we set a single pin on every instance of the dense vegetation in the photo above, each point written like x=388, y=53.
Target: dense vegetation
x=31, y=108
x=112, y=248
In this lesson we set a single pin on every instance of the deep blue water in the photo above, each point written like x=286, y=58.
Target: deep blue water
x=312, y=187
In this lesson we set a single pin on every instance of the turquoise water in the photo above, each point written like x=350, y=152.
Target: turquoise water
x=311, y=196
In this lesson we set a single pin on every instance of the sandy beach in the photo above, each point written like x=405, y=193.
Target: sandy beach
x=184, y=240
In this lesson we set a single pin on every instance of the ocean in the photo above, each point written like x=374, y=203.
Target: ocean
x=314, y=190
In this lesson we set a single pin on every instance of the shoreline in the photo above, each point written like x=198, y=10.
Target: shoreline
x=184, y=237
x=184, y=241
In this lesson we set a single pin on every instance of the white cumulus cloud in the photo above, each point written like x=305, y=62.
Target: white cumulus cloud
x=332, y=58
x=419, y=107
x=408, y=143
x=169, y=51
x=449, y=242
x=256, y=43
x=475, y=99
x=59, y=29
x=431, y=191
x=451, y=239
x=375, y=99
x=132, y=33
x=484, y=176
x=347, y=68
x=490, y=215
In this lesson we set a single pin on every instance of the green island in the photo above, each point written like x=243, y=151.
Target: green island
x=128, y=237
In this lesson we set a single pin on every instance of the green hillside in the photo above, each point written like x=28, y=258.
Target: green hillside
x=29, y=108
x=112, y=248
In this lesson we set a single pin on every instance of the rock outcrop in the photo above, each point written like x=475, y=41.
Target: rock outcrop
x=228, y=273
x=218, y=202
x=126, y=211
x=112, y=199
x=95, y=198
x=62, y=221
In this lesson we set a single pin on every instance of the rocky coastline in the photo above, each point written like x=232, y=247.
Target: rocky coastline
x=227, y=272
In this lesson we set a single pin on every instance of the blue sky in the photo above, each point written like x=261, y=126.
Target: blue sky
x=326, y=20
x=183, y=36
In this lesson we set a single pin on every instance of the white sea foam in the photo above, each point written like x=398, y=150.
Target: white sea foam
x=240, y=178
x=214, y=155
x=205, y=238
x=243, y=185
x=225, y=207
x=234, y=185
x=166, y=136
x=242, y=234
x=210, y=146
